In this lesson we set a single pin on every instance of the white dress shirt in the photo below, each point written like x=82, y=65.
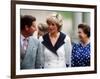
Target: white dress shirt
x=24, y=42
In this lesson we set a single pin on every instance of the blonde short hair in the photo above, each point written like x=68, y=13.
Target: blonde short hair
x=55, y=18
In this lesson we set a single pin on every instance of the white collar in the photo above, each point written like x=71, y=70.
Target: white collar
x=85, y=44
x=22, y=37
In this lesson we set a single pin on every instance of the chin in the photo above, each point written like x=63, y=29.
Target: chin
x=30, y=34
x=52, y=32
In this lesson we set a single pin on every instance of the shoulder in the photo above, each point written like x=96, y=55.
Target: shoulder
x=44, y=37
x=34, y=40
x=67, y=38
x=62, y=34
x=75, y=46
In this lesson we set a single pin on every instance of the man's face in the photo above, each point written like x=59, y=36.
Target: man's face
x=81, y=34
x=32, y=29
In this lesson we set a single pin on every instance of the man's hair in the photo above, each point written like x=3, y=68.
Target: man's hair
x=26, y=20
x=85, y=28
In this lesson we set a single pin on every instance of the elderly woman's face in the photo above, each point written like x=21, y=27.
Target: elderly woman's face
x=52, y=27
x=81, y=34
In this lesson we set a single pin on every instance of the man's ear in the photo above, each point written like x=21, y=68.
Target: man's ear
x=26, y=28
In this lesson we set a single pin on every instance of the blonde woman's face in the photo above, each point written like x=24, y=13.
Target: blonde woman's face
x=52, y=27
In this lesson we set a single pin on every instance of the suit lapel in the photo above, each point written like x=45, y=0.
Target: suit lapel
x=29, y=48
x=22, y=52
x=46, y=42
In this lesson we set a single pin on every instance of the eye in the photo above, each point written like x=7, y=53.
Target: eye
x=48, y=24
x=79, y=32
x=53, y=24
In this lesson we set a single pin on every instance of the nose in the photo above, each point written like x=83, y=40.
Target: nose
x=50, y=26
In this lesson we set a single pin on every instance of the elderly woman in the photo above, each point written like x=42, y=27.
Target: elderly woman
x=56, y=45
x=81, y=51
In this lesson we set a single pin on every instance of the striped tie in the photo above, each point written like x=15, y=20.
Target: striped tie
x=25, y=44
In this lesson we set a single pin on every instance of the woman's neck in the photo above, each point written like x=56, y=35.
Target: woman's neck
x=54, y=35
x=85, y=41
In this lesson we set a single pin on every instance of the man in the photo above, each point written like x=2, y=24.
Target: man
x=81, y=51
x=30, y=47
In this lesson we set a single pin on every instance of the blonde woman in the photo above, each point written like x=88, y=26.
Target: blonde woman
x=56, y=45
